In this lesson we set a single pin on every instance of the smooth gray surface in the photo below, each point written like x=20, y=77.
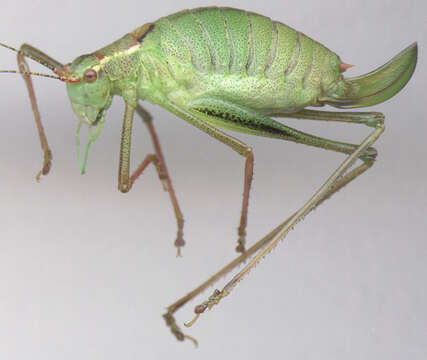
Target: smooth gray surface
x=86, y=271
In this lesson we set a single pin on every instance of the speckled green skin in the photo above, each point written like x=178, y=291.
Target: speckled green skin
x=234, y=55
x=228, y=68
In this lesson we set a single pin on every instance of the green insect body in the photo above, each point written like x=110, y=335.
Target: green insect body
x=205, y=58
x=241, y=57
x=225, y=68
x=212, y=52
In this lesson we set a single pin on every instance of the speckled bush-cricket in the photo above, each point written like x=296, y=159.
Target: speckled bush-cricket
x=223, y=68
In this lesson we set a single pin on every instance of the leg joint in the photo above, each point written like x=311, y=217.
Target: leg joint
x=248, y=152
x=124, y=187
x=376, y=120
x=369, y=155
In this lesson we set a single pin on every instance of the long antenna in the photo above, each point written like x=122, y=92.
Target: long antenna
x=8, y=47
x=32, y=58
x=30, y=73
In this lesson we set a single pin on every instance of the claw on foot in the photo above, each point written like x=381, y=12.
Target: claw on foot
x=179, y=243
x=191, y=322
x=47, y=163
x=241, y=241
x=199, y=309
x=240, y=248
x=195, y=342
x=180, y=336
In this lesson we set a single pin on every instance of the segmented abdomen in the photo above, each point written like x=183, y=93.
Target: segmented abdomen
x=231, y=41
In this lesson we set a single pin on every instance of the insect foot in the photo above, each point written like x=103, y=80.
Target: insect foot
x=241, y=241
x=180, y=336
x=47, y=164
x=374, y=119
x=179, y=242
x=214, y=299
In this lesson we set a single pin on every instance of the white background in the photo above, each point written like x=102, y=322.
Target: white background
x=86, y=272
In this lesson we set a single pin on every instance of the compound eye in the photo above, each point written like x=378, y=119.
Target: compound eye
x=90, y=75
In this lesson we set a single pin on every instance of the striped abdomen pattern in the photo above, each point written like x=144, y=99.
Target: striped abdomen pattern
x=231, y=41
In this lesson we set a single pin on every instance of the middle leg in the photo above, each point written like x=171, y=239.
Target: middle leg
x=163, y=175
x=126, y=180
